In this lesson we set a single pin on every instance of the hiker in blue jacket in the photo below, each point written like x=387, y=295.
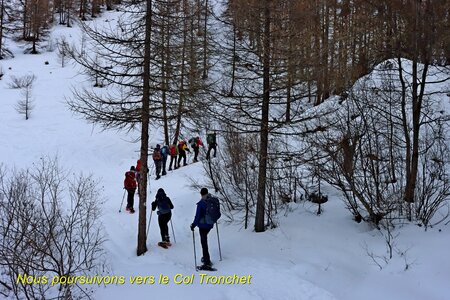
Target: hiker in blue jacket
x=203, y=227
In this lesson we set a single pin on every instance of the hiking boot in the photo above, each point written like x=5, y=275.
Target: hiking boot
x=158, y=177
x=131, y=210
x=209, y=264
x=164, y=173
x=170, y=169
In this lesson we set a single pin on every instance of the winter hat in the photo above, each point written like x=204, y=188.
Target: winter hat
x=158, y=146
x=132, y=168
x=204, y=191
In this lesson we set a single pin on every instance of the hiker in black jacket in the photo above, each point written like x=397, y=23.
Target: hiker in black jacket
x=165, y=207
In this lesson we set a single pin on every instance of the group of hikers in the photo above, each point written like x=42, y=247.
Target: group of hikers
x=204, y=219
x=177, y=153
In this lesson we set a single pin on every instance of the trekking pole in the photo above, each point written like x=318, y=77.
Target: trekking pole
x=195, y=255
x=148, y=182
x=173, y=232
x=218, y=241
x=149, y=221
x=123, y=199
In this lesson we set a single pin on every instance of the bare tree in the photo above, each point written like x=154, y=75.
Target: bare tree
x=50, y=227
x=364, y=153
x=25, y=84
x=62, y=51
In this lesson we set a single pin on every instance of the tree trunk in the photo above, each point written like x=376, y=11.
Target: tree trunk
x=183, y=71
x=264, y=135
x=205, y=44
x=233, y=67
x=165, y=75
x=418, y=89
x=2, y=8
x=145, y=111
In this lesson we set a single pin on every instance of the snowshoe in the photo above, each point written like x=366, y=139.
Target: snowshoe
x=163, y=245
x=205, y=268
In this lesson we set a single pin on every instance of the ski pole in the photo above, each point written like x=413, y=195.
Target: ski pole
x=123, y=199
x=173, y=232
x=149, y=221
x=195, y=255
x=218, y=241
x=148, y=182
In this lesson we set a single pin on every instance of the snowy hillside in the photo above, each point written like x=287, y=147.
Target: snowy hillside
x=306, y=257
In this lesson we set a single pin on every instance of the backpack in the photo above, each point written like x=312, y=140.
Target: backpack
x=212, y=210
x=138, y=165
x=163, y=205
x=192, y=142
x=173, y=150
x=164, y=152
x=156, y=154
x=211, y=138
x=130, y=181
x=182, y=147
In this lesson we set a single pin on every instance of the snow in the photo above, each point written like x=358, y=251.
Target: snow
x=306, y=257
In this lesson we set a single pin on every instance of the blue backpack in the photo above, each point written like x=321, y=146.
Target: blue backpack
x=212, y=210
x=164, y=152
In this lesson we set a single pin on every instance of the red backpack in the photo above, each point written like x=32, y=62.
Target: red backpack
x=130, y=180
x=173, y=150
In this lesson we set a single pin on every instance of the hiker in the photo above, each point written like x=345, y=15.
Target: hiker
x=157, y=159
x=212, y=143
x=164, y=212
x=164, y=154
x=196, y=143
x=173, y=150
x=130, y=185
x=182, y=148
x=138, y=172
x=204, y=228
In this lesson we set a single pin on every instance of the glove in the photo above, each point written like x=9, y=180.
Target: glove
x=192, y=227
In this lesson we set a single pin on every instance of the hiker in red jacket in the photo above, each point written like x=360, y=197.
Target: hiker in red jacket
x=130, y=185
x=173, y=150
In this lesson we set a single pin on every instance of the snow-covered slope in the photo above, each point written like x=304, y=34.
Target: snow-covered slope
x=306, y=257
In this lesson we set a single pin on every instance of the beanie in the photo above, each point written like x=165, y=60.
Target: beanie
x=204, y=191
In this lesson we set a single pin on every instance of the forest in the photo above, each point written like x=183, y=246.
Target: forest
x=305, y=94
x=314, y=103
